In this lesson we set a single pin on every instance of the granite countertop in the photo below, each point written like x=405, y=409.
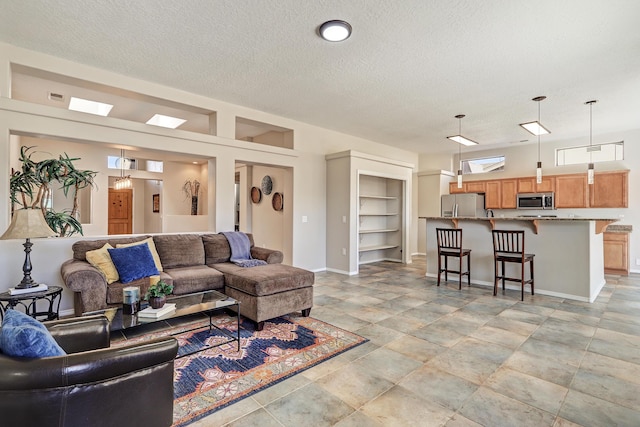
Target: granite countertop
x=528, y=218
x=619, y=228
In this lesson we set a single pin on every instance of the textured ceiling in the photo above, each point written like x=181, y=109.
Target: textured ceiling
x=409, y=67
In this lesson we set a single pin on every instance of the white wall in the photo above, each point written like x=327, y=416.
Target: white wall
x=152, y=220
x=270, y=228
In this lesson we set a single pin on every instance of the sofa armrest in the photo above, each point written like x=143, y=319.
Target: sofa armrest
x=79, y=334
x=82, y=277
x=86, y=367
x=271, y=256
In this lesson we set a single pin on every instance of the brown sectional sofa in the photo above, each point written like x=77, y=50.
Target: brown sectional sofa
x=192, y=263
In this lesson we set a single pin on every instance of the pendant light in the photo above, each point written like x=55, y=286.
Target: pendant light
x=459, y=117
x=537, y=129
x=124, y=181
x=590, y=149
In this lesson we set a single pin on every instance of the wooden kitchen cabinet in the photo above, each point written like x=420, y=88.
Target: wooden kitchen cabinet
x=571, y=191
x=492, y=195
x=467, y=187
x=508, y=193
x=529, y=185
x=453, y=188
x=475, y=186
x=616, y=253
x=500, y=194
x=609, y=190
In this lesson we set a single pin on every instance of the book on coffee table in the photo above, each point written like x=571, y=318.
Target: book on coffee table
x=157, y=312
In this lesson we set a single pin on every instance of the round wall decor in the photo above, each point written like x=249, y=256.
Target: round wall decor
x=256, y=195
x=277, y=201
x=267, y=185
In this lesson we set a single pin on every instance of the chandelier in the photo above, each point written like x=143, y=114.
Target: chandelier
x=123, y=182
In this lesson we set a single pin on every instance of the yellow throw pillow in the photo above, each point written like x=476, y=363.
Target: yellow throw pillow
x=101, y=259
x=152, y=248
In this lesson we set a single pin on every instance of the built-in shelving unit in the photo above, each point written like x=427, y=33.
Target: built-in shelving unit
x=379, y=219
x=368, y=209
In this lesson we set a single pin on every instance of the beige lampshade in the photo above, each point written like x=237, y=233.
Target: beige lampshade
x=27, y=224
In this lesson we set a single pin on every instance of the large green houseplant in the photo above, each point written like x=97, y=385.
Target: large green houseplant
x=31, y=186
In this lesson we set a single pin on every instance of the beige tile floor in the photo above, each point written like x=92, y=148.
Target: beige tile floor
x=439, y=356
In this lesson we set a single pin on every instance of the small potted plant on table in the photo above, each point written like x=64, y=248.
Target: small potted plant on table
x=157, y=294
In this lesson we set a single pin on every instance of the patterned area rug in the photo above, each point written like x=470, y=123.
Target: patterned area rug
x=216, y=377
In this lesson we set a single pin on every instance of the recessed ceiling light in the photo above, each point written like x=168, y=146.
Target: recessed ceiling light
x=335, y=31
x=165, y=121
x=91, y=107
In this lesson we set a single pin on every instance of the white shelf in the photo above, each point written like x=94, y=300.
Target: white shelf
x=362, y=196
x=383, y=230
x=376, y=248
x=379, y=214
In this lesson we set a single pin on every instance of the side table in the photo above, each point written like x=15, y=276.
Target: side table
x=28, y=301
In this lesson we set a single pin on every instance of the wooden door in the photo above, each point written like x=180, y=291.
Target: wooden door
x=453, y=188
x=508, y=193
x=609, y=190
x=616, y=253
x=492, y=195
x=571, y=191
x=529, y=185
x=475, y=187
x=120, y=211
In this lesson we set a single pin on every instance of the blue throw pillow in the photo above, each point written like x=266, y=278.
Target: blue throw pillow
x=24, y=336
x=133, y=262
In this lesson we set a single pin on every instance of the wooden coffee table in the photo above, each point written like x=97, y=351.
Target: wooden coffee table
x=206, y=302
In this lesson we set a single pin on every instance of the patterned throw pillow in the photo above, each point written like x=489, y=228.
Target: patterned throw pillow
x=133, y=262
x=101, y=259
x=24, y=336
x=152, y=248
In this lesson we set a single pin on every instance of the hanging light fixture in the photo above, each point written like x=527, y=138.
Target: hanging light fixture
x=590, y=149
x=536, y=128
x=124, y=181
x=461, y=140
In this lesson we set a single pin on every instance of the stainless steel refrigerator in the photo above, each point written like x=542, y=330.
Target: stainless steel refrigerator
x=461, y=205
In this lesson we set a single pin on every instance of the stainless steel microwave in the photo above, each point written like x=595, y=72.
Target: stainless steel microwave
x=536, y=201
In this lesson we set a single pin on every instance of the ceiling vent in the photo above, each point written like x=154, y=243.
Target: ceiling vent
x=56, y=96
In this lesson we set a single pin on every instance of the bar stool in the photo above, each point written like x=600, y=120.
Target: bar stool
x=508, y=246
x=450, y=245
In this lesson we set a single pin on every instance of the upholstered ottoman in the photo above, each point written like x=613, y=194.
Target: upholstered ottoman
x=268, y=291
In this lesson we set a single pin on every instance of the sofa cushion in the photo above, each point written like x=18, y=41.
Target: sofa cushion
x=24, y=336
x=133, y=262
x=101, y=260
x=179, y=250
x=81, y=247
x=265, y=279
x=152, y=248
x=217, y=249
x=195, y=279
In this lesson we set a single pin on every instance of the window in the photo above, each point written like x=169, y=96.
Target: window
x=117, y=162
x=595, y=153
x=129, y=163
x=154, y=166
x=483, y=165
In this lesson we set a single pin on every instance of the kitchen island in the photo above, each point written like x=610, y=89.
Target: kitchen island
x=569, y=260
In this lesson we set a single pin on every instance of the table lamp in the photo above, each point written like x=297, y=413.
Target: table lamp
x=27, y=224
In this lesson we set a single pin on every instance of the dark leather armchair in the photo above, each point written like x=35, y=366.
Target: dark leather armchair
x=93, y=385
